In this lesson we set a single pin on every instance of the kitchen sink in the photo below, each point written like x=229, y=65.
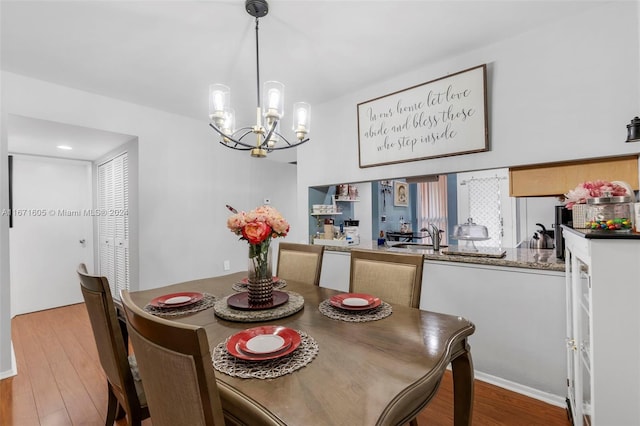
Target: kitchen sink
x=416, y=246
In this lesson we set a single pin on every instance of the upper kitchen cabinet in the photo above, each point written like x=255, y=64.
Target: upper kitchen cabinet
x=558, y=178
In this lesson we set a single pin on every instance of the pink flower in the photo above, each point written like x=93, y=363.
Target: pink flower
x=236, y=222
x=280, y=226
x=259, y=225
x=588, y=189
x=256, y=232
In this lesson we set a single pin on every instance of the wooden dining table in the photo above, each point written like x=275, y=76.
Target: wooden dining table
x=381, y=372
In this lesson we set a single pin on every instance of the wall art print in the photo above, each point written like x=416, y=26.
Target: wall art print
x=400, y=193
x=439, y=118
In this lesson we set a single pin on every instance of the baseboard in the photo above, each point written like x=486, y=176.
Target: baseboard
x=549, y=398
x=13, y=370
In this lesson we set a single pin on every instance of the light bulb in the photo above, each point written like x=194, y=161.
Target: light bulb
x=218, y=100
x=301, y=113
x=274, y=98
x=219, y=97
x=273, y=95
x=301, y=119
x=229, y=121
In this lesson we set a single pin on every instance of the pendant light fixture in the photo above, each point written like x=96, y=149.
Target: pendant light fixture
x=269, y=109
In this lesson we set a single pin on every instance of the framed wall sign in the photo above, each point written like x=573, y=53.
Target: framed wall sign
x=400, y=193
x=443, y=117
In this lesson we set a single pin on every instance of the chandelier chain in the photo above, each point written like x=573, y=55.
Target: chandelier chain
x=257, y=66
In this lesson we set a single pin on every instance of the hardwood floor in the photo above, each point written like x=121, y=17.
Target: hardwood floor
x=60, y=381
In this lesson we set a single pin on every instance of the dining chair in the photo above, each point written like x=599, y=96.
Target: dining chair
x=393, y=277
x=125, y=391
x=300, y=262
x=175, y=364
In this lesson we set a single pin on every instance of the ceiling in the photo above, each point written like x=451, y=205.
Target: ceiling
x=27, y=135
x=164, y=54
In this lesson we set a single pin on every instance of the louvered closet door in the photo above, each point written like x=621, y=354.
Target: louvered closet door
x=113, y=222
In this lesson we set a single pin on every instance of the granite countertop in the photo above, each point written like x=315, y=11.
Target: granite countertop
x=543, y=259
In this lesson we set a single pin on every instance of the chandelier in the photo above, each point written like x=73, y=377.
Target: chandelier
x=267, y=136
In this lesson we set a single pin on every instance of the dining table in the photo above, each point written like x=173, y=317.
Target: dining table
x=381, y=372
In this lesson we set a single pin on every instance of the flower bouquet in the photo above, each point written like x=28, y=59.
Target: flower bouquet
x=258, y=227
x=589, y=189
x=575, y=200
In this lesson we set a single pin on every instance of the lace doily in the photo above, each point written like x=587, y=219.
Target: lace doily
x=242, y=286
x=226, y=363
x=224, y=311
x=382, y=311
x=207, y=302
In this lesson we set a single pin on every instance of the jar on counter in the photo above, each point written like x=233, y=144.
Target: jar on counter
x=611, y=214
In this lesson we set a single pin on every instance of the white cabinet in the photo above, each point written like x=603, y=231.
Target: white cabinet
x=603, y=327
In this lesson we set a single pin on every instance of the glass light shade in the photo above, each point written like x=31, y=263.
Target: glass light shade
x=229, y=123
x=219, y=100
x=273, y=100
x=274, y=136
x=301, y=118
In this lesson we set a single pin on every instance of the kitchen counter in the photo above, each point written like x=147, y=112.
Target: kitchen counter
x=543, y=259
x=597, y=234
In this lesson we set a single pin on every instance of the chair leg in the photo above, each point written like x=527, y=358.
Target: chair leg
x=112, y=407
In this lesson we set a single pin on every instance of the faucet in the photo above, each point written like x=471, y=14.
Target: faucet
x=435, y=235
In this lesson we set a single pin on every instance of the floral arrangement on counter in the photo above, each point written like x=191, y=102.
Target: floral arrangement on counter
x=258, y=227
x=591, y=189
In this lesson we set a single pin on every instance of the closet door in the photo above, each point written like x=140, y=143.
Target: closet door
x=113, y=222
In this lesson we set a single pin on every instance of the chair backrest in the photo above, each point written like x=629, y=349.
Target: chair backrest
x=110, y=343
x=393, y=277
x=300, y=262
x=175, y=365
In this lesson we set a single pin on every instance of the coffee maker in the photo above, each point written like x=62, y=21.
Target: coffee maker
x=563, y=217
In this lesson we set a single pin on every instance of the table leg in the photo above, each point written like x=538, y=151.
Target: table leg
x=462, y=369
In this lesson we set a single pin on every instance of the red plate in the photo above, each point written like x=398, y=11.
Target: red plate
x=245, y=280
x=237, y=344
x=241, y=301
x=338, y=300
x=166, y=300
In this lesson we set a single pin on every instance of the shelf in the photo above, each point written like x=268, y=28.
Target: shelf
x=353, y=200
x=326, y=214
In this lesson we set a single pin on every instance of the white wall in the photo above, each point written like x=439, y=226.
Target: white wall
x=7, y=363
x=45, y=243
x=563, y=92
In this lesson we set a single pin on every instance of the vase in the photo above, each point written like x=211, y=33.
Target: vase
x=260, y=280
x=579, y=215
